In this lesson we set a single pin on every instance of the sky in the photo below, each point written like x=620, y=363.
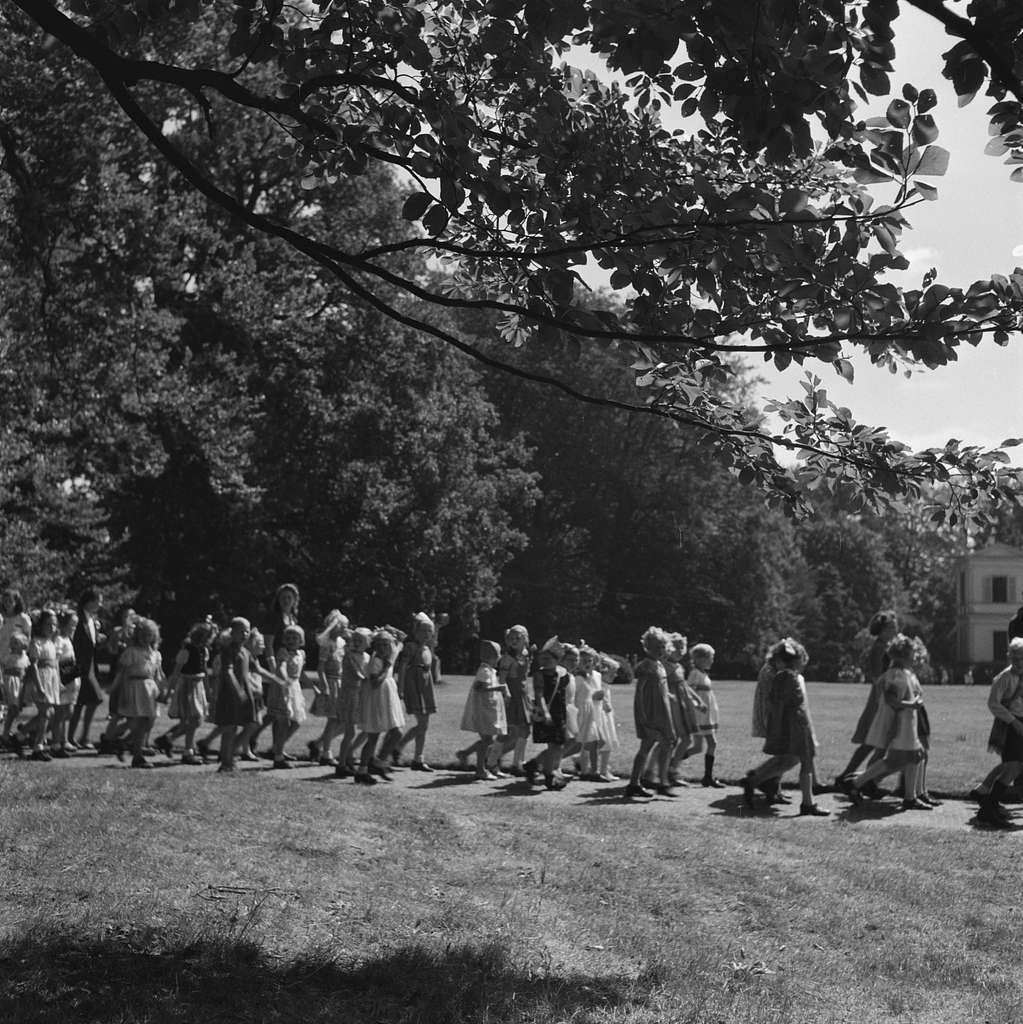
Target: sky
x=971, y=232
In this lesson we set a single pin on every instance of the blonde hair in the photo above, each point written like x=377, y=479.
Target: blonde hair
x=655, y=633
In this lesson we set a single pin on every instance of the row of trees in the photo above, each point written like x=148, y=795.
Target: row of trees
x=191, y=412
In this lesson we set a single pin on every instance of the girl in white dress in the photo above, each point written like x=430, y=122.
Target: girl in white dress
x=139, y=681
x=42, y=682
x=286, y=702
x=380, y=709
x=484, y=712
x=70, y=682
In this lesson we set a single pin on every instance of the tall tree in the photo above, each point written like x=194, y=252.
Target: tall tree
x=735, y=236
x=229, y=416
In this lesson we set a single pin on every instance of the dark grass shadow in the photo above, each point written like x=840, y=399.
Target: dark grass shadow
x=733, y=805
x=449, y=779
x=141, y=974
x=869, y=810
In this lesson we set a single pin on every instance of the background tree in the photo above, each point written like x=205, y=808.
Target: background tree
x=733, y=237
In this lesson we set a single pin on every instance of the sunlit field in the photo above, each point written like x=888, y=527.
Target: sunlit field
x=181, y=895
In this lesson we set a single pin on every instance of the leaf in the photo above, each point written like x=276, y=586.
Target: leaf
x=925, y=131
x=934, y=161
x=436, y=220
x=909, y=93
x=928, y=192
x=869, y=176
x=844, y=369
x=899, y=113
x=928, y=100
x=416, y=205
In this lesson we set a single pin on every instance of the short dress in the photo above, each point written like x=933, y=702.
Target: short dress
x=650, y=704
x=327, y=704
x=285, y=700
x=139, y=669
x=789, y=728
x=874, y=668
x=190, y=700
x=513, y=671
x=12, y=679
x=707, y=717
x=484, y=712
x=684, y=702
x=901, y=732
x=354, y=666
x=43, y=687
x=418, y=678
x=553, y=685
x=235, y=703
x=67, y=668
x=379, y=704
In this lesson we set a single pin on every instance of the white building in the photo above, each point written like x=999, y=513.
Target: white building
x=988, y=595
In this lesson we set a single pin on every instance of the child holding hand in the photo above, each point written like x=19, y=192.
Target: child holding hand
x=484, y=712
x=702, y=656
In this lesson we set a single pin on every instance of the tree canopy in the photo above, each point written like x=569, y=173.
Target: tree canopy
x=746, y=228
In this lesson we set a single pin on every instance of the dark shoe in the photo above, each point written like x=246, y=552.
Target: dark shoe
x=379, y=768
x=164, y=745
x=990, y=812
x=203, y=749
x=552, y=783
x=667, y=791
x=748, y=790
x=314, y=750
x=928, y=799
x=39, y=755
x=872, y=791
x=529, y=772
x=916, y=805
x=420, y=766
x=708, y=783
x=191, y=759
x=61, y=752
x=282, y=765
x=633, y=789
x=813, y=811
x=328, y=762
x=515, y=771
x=855, y=796
x=342, y=772
x=363, y=778
x=104, y=746
x=395, y=758
x=842, y=784
x=138, y=761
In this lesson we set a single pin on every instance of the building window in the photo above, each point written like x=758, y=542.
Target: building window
x=1000, y=589
x=1001, y=644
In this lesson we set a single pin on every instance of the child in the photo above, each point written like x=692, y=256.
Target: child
x=118, y=641
x=327, y=698
x=899, y=729
x=588, y=707
x=87, y=640
x=42, y=681
x=706, y=718
x=789, y=735
x=513, y=671
x=380, y=707
x=418, y=674
x=188, y=701
x=685, y=707
x=883, y=627
x=484, y=712
x=652, y=709
x=12, y=684
x=70, y=682
x=606, y=727
x=235, y=704
x=138, y=682
x=1005, y=702
x=553, y=694
x=286, y=702
x=354, y=667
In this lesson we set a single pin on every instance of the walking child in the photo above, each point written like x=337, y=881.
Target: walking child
x=286, y=702
x=513, y=670
x=484, y=712
x=789, y=738
x=652, y=711
x=327, y=697
x=418, y=673
x=380, y=708
x=702, y=656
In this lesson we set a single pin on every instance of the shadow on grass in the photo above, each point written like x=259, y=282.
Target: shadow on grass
x=144, y=975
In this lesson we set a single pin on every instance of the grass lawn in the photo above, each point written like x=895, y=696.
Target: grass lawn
x=177, y=895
